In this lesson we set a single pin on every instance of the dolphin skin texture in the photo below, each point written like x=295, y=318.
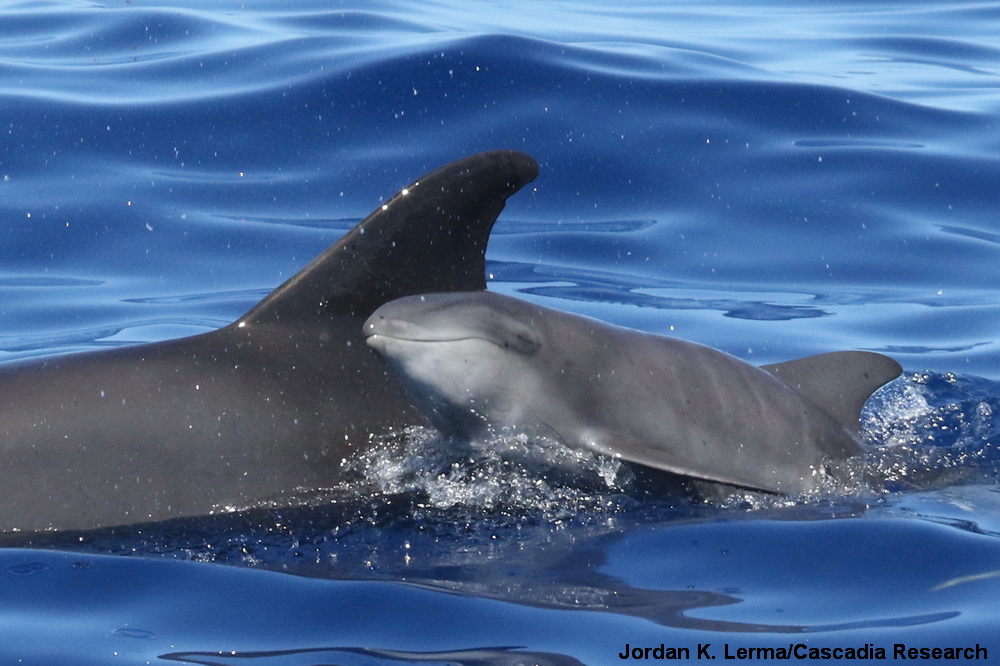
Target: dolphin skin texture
x=267, y=405
x=478, y=360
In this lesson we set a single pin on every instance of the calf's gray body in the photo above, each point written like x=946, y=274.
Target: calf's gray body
x=480, y=359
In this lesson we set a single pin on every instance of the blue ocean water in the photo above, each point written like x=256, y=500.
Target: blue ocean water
x=772, y=179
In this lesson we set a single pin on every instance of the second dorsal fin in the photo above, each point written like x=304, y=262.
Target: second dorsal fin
x=839, y=383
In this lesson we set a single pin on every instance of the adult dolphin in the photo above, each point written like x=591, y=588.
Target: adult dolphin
x=481, y=359
x=264, y=406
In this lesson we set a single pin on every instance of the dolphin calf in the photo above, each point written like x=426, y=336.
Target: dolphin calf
x=480, y=359
x=267, y=405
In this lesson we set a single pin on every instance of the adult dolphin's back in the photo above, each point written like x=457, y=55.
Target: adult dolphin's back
x=482, y=359
x=271, y=403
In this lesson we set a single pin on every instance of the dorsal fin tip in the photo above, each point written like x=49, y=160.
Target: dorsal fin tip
x=431, y=236
x=839, y=383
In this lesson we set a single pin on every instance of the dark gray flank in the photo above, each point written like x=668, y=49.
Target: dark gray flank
x=271, y=403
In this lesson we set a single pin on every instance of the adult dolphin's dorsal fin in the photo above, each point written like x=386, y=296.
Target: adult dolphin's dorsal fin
x=430, y=237
x=839, y=383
